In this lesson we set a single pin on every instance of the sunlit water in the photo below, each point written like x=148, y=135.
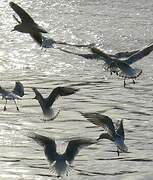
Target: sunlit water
x=115, y=26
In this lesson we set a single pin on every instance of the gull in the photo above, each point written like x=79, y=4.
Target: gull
x=120, y=62
x=60, y=163
x=46, y=103
x=122, y=67
x=17, y=92
x=27, y=24
x=114, y=134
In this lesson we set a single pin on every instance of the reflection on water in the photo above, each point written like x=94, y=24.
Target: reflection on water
x=115, y=26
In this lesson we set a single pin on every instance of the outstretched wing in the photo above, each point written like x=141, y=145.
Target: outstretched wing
x=106, y=57
x=101, y=120
x=74, y=146
x=124, y=54
x=120, y=130
x=139, y=55
x=18, y=89
x=48, y=144
x=25, y=17
x=86, y=56
x=37, y=36
x=59, y=91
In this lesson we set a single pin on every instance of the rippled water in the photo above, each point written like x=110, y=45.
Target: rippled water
x=116, y=26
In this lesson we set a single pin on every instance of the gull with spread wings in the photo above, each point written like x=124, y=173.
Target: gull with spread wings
x=123, y=67
x=119, y=63
x=27, y=24
x=114, y=134
x=60, y=163
x=17, y=92
x=46, y=103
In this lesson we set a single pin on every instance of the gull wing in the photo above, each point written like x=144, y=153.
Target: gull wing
x=139, y=55
x=18, y=89
x=37, y=93
x=101, y=120
x=106, y=136
x=3, y=92
x=120, y=130
x=74, y=146
x=124, y=54
x=106, y=57
x=37, y=36
x=48, y=144
x=75, y=45
x=86, y=56
x=59, y=91
x=25, y=17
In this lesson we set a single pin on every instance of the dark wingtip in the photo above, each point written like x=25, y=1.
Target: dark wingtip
x=65, y=91
x=11, y=4
x=76, y=90
x=33, y=88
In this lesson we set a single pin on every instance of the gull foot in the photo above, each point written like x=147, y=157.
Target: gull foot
x=118, y=153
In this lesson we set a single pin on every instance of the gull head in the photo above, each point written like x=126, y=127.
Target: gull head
x=16, y=28
x=19, y=28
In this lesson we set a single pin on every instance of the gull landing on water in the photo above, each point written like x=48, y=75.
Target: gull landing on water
x=27, y=24
x=122, y=67
x=60, y=163
x=114, y=134
x=46, y=103
x=17, y=92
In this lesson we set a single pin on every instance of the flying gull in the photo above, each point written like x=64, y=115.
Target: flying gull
x=114, y=134
x=46, y=103
x=27, y=24
x=60, y=163
x=123, y=67
x=16, y=93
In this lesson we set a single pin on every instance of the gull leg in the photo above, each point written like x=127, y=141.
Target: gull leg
x=16, y=105
x=124, y=82
x=118, y=153
x=133, y=81
x=5, y=105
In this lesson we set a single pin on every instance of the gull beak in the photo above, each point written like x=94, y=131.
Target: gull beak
x=12, y=30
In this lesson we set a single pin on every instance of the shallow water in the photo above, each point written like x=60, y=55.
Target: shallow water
x=115, y=26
